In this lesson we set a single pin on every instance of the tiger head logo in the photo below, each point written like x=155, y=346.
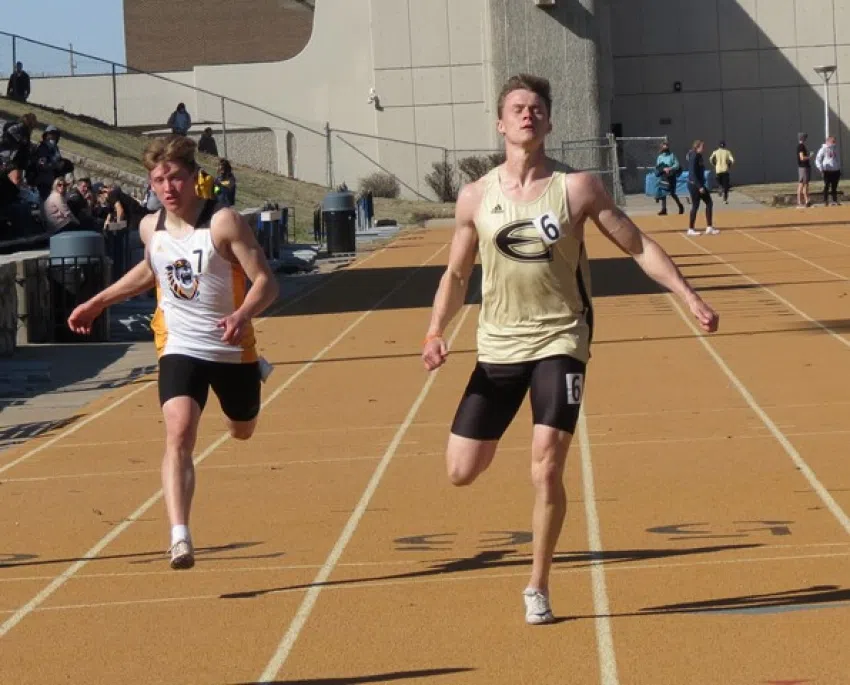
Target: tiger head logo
x=182, y=280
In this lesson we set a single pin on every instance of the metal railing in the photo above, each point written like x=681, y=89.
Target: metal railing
x=316, y=152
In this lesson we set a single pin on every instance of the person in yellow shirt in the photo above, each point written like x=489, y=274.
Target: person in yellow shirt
x=722, y=160
x=526, y=220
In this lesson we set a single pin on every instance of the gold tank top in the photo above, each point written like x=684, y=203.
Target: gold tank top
x=535, y=297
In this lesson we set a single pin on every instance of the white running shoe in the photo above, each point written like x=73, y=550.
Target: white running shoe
x=182, y=555
x=712, y=231
x=692, y=231
x=537, y=609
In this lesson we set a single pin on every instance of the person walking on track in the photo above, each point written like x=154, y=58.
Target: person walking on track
x=699, y=190
x=722, y=159
x=527, y=219
x=200, y=257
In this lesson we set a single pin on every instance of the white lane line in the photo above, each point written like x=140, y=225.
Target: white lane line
x=822, y=237
x=73, y=429
x=792, y=452
x=421, y=455
x=141, y=472
x=601, y=608
x=69, y=573
x=772, y=293
x=283, y=650
x=282, y=568
x=478, y=577
x=794, y=255
x=671, y=410
x=269, y=433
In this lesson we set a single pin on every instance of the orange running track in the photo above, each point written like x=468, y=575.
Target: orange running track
x=707, y=537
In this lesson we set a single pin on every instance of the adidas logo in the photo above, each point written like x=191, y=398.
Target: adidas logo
x=497, y=209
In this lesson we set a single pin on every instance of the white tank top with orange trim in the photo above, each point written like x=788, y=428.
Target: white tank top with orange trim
x=196, y=288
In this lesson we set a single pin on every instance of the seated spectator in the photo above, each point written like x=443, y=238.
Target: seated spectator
x=100, y=209
x=15, y=142
x=16, y=220
x=80, y=198
x=180, y=122
x=49, y=162
x=124, y=207
x=207, y=144
x=57, y=215
x=225, y=184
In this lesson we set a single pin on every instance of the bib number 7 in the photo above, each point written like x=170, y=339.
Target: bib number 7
x=548, y=227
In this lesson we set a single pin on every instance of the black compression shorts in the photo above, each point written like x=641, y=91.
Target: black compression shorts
x=495, y=393
x=237, y=386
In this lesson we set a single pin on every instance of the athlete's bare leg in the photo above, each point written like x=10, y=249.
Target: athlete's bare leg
x=241, y=430
x=182, y=415
x=548, y=456
x=466, y=458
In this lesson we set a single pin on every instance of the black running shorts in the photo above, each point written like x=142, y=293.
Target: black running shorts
x=237, y=386
x=495, y=393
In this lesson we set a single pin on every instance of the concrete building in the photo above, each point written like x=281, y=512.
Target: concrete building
x=214, y=32
x=400, y=82
x=742, y=70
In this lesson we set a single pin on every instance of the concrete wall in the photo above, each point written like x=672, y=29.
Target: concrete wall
x=435, y=66
x=746, y=72
x=569, y=44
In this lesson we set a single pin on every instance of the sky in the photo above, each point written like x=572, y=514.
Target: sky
x=95, y=27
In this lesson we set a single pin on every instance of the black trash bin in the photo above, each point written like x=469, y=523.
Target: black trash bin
x=339, y=217
x=77, y=270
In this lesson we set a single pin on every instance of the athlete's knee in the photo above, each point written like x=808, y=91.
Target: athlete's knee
x=548, y=458
x=547, y=473
x=466, y=458
x=241, y=430
x=461, y=473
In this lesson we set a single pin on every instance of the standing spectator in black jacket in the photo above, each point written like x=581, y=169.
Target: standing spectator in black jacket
x=19, y=84
x=804, y=172
x=698, y=190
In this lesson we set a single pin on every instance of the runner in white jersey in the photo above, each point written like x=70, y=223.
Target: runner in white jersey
x=526, y=219
x=200, y=258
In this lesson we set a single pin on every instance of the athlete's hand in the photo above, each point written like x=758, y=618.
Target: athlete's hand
x=234, y=328
x=83, y=316
x=434, y=353
x=708, y=319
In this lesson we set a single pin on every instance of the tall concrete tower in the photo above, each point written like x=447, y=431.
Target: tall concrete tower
x=568, y=42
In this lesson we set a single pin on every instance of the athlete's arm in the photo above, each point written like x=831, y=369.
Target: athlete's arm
x=455, y=281
x=231, y=233
x=136, y=281
x=588, y=199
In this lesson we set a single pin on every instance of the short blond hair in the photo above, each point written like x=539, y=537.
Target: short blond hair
x=536, y=84
x=172, y=148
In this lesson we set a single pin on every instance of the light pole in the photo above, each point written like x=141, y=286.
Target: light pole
x=826, y=72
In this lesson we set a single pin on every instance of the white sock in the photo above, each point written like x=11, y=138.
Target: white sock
x=179, y=533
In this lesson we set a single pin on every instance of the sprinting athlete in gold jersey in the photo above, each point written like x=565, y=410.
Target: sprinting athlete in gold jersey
x=536, y=298
x=526, y=219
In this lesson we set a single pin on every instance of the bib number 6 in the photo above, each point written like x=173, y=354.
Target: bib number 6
x=549, y=227
x=575, y=387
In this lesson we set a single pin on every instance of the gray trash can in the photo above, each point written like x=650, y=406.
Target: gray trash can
x=77, y=270
x=340, y=221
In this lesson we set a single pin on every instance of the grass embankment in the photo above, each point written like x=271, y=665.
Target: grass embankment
x=123, y=150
